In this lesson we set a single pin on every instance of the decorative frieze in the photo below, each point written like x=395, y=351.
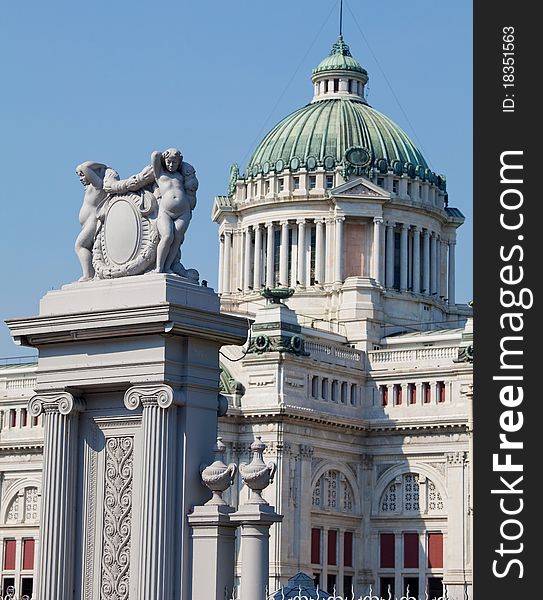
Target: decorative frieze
x=456, y=458
x=117, y=527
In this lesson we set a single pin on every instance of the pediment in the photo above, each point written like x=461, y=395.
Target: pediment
x=360, y=187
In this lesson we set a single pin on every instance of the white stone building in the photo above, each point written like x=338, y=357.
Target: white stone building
x=361, y=388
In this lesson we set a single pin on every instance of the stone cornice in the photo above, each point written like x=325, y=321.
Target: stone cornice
x=293, y=414
x=62, y=402
x=128, y=321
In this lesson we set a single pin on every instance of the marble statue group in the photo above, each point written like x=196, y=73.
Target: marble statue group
x=136, y=225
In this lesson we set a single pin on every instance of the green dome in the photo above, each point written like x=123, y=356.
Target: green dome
x=340, y=59
x=322, y=131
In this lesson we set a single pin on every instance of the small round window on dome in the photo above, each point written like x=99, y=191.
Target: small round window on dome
x=311, y=163
x=279, y=165
x=329, y=162
x=294, y=164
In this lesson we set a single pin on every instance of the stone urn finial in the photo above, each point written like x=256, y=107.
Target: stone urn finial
x=217, y=476
x=257, y=475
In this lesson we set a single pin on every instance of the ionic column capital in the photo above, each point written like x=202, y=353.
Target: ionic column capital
x=301, y=221
x=257, y=226
x=339, y=219
x=378, y=220
x=416, y=228
x=451, y=242
x=284, y=223
x=391, y=224
x=61, y=402
x=404, y=226
x=149, y=395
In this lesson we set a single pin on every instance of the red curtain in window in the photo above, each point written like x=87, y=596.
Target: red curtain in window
x=9, y=555
x=412, y=394
x=435, y=550
x=387, y=551
x=28, y=555
x=441, y=391
x=411, y=550
x=426, y=388
x=316, y=546
x=332, y=547
x=348, y=549
x=398, y=393
x=384, y=395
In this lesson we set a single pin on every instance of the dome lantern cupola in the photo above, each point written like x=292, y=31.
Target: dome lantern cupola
x=339, y=75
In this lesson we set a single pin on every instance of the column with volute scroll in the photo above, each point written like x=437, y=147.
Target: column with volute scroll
x=57, y=531
x=159, y=436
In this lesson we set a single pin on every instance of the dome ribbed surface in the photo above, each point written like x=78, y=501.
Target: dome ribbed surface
x=328, y=128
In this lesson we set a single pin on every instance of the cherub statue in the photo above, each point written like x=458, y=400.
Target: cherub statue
x=92, y=175
x=177, y=185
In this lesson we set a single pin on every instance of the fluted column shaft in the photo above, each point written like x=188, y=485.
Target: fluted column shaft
x=378, y=259
x=57, y=528
x=426, y=262
x=270, y=276
x=158, y=519
x=247, y=260
x=452, y=273
x=301, y=253
x=227, y=262
x=257, y=268
x=339, y=250
x=319, y=251
x=283, y=254
x=416, y=260
x=403, y=257
x=221, y=264
x=433, y=264
x=390, y=256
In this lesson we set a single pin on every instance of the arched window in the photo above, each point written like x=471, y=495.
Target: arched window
x=333, y=492
x=24, y=507
x=411, y=494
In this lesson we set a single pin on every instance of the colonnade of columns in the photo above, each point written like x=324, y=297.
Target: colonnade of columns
x=417, y=260
x=302, y=252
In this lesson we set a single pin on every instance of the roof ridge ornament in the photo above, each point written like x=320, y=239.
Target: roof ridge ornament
x=340, y=47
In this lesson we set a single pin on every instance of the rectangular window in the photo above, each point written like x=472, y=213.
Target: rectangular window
x=34, y=421
x=411, y=587
x=9, y=555
x=348, y=549
x=426, y=393
x=412, y=393
x=435, y=550
x=331, y=582
x=296, y=183
x=420, y=191
x=28, y=555
x=312, y=182
x=316, y=546
x=395, y=186
x=381, y=181
x=324, y=389
x=329, y=182
x=24, y=417
x=435, y=588
x=387, y=551
x=12, y=417
x=387, y=587
x=348, y=586
x=409, y=190
x=397, y=394
x=441, y=391
x=267, y=187
x=280, y=184
x=317, y=579
x=7, y=583
x=411, y=550
x=384, y=394
x=27, y=587
x=332, y=547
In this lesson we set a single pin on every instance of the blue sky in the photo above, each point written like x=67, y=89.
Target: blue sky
x=113, y=81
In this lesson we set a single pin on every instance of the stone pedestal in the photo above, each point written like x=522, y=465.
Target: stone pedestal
x=255, y=521
x=140, y=356
x=213, y=551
